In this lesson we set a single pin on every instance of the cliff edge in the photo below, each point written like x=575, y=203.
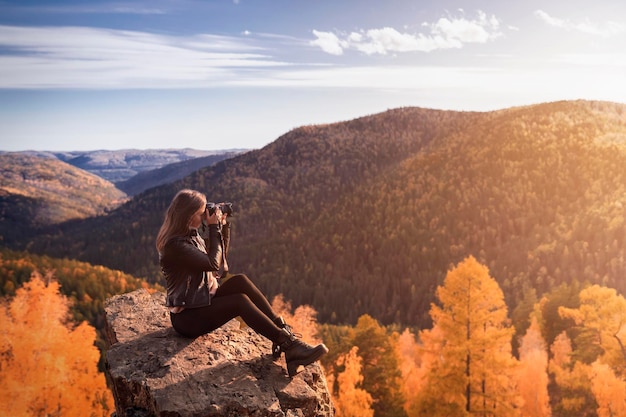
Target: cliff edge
x=153, y=371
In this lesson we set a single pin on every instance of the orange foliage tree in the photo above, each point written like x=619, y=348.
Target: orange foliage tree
x=573, y=396
x=609, y=390
x=600, y=340
x=48, y=365
x=302, y=320
x=601, y=324
x=474, y=372
x=411, y=367
x=380, y=358
x=533, y=373
x=350, y=400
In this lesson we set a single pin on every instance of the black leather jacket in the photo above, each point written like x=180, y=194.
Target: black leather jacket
x=185, y=265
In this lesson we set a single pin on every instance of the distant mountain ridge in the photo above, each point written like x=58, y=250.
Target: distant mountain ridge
x=169, y=173
x=367, y=215
x=120, y=165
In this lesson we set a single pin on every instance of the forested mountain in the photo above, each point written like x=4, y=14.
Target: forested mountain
x=366, y=216
x=36, y=191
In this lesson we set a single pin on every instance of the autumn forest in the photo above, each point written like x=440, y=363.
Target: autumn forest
x=457, y=263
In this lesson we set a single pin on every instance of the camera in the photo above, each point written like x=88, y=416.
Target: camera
x=225, y=208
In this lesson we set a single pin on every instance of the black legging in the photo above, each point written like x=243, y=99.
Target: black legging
x=238, y=296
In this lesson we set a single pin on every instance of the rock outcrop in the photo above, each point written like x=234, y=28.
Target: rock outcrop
x=155, y=372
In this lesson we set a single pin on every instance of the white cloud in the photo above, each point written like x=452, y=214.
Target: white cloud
x=381, y=41
x=468, y=31
x=607, y=29
x=552, y=21
x=328, y=42
x=445, y=33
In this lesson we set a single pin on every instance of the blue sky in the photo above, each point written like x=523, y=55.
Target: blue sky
x=145, y=74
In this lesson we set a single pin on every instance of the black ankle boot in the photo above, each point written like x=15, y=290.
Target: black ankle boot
x=280, y=322
x=297, y=352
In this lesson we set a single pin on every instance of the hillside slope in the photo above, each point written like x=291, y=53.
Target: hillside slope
x=35, y=192
x=283, y=186
x=536, y=193
x=366, y=216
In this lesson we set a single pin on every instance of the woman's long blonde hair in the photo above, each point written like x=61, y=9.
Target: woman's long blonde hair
x=178, y=215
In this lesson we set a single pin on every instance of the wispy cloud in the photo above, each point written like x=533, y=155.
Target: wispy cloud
x=79, y=57
x=445, y=33
x=606, y=29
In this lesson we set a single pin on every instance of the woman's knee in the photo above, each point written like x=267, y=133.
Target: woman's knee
x=238, y=283
x=241, y=278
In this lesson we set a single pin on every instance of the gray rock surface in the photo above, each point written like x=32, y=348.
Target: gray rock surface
x=229, y=372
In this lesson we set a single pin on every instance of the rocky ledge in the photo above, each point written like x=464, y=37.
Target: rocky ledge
x=155, y=372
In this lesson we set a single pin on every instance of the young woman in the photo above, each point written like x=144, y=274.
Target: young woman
x=192, y=244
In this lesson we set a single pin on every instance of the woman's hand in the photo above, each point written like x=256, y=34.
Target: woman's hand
x=215, y=218
x=213, y=284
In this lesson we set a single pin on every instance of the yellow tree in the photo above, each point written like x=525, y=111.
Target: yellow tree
x=49, y=367
x=351, y=400
x=474, y=373
x=533, y=373
x=411, y=369
x=609, y=390
x=601, y=321
x=303, y=320
x=573, y=396
x=428, y=393
x=600, y=351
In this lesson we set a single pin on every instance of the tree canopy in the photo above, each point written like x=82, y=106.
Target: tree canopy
x=49, y=365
